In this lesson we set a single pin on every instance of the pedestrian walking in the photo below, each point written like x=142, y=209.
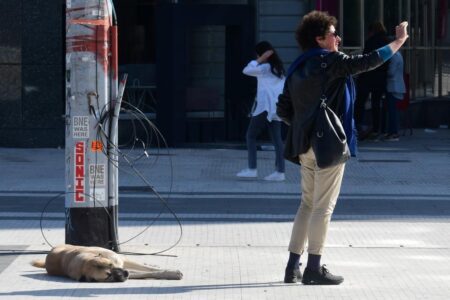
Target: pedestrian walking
x=269, y=71
x=396, y=90
x=321, y=69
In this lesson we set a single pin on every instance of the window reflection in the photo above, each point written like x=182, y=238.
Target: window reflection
x=426, y=54
x=137, y=55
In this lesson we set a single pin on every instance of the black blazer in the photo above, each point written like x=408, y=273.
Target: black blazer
x=302, y=90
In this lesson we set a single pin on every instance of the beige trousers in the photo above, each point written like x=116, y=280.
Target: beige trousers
x=320, y=190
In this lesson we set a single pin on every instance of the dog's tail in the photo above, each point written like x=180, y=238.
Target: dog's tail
x=38, y=263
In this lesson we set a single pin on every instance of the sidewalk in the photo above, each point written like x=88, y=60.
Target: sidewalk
x=388, y=237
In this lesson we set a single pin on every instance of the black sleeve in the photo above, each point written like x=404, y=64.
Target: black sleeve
x=353, y=64
x=285, y=110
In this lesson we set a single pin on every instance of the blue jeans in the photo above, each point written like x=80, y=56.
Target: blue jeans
x=393, y=115
x=257, y=124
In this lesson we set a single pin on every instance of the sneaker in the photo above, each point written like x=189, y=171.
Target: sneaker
x=275, y=176
x=292, y=275
x=392, y=138
x=248, y=173
x=321, y=277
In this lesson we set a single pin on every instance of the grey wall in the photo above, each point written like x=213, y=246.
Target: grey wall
x=276, y=23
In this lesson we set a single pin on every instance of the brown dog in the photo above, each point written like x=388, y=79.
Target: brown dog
x=95, y=264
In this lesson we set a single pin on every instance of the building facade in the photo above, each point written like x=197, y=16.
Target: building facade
x=184, y=59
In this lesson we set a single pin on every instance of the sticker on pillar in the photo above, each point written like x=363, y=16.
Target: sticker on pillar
x=98, y=194
x=96, y=146
x=96, y=175
x=79, y=171
x=80, y=128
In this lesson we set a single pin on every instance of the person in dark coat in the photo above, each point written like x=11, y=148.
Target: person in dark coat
x=321, y=69
x=371, y=83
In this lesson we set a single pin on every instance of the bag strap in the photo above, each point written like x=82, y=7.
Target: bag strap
x=323, y=97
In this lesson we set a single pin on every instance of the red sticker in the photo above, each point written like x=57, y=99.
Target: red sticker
x=96, y=146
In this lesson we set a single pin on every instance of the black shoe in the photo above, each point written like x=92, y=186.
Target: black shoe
x=321, y=277
x=292, y=275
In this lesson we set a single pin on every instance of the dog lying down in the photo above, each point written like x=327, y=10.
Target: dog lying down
x=95, y=264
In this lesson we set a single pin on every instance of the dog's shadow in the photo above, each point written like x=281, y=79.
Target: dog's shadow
x=91, y=291
x=42, y=276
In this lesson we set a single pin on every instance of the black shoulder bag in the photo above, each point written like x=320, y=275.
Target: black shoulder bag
x=328, y=139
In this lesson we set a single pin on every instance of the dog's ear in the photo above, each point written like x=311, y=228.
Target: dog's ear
x=82, y=279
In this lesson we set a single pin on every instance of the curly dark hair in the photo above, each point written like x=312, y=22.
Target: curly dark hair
x=276, y=65
x=313, y=24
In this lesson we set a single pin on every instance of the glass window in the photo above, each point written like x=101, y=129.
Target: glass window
x=351, y=23
x=137, y=52
x=206, y=72
x=372, y=13
x=392, y=15
x=136, y=31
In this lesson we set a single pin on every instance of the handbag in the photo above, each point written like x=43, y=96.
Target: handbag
x=328, y=139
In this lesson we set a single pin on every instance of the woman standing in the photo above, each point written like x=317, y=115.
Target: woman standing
x=269, y=71
x=321, y=69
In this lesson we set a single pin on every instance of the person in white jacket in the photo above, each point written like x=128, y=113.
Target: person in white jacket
x=269, y=71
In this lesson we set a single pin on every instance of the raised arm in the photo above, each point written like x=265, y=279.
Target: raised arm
x=401, y=35
x=256, y=67
x=355, y=64
x=263, y=58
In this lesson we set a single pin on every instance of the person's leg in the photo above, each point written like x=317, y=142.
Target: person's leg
x=384, y=115
x=257, y=124
x=360, y=106
x=299, y=235
x=275, y=135
x=392, y=114
x=376, y=101
x=292, y=273
x=327, y=185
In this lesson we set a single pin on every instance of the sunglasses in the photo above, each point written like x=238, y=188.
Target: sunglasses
x=335, y=34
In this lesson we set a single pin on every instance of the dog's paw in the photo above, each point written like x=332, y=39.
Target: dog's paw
x=177, y=275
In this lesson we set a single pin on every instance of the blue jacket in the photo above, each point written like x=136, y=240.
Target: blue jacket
x=395, y=83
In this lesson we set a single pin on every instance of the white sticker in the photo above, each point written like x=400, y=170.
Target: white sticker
x=96, y=175
x=80, y=127
x=69, y=3
x=99, y=195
